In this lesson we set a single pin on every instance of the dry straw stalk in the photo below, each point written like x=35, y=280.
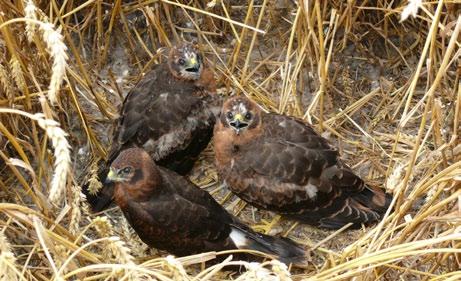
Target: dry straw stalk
x=379, y=79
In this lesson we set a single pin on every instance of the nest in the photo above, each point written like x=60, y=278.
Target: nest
x=379, y=79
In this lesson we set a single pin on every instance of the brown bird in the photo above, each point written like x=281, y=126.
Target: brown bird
x=279, y=163
x=170, y=112
x=170, y=213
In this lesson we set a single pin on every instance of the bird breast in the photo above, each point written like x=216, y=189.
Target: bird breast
x=223, y=145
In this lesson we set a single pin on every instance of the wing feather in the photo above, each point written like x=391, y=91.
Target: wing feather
x=182, y=217
x=164, y=115
x=290, y=168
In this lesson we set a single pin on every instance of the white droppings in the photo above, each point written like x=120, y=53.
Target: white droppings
x=408, y=218
x=311, y=190
x=82, y=151
x=163, y=95
x=283, y=124
x=238, y=238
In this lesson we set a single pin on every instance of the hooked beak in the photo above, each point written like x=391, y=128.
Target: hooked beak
x=192, y=65
x=111, y=176
x=238, y=123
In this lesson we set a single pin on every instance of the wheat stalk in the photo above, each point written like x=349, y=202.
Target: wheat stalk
x=43, y=238
x=301, y=56
x=395, y=178
x=281, y=270
x=17, y=73
x=61, y=151
x=176, y=268
x=115, y=247
x=30, y=13
x=120, y=251
x=61, y=154
x=8, y=267
x=76, y=213
x=103, y=226
x=123, y=255
x=5, y=81
x=94, y=184
x=60, y=253
x=259, y=272
x=57, y=50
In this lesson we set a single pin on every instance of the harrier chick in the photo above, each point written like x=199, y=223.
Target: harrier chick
x=279, y=163
x=170, y=113
x=170, y=213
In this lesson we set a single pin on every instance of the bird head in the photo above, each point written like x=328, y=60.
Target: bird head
x=119, y=175
x=130, y=166
x=185, y=61
x=240, y=114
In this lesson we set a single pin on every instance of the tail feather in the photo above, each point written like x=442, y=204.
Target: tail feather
x=283, y=248
x=365, y=207
x=374, y=198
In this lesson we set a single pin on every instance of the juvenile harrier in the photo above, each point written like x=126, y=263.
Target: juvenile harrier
x=169, y=212
x=169, y=113
x=280, y=163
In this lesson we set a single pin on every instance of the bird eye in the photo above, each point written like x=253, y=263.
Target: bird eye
x=125, y=170
x=248, y=116
x=181, y=61
x=229, y=115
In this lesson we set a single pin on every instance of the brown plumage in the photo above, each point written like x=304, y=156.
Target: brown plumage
x=170, y=113
x=280, y=163
x=170, y=213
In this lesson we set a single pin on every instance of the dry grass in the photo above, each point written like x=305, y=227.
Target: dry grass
x=380, y=79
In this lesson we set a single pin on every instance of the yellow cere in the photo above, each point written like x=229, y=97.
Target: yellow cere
x=193, y=61
x=239, y=117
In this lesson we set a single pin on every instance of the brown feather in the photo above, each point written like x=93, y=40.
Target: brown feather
x=280, y=163
x=171, y=117
x=170, y=213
